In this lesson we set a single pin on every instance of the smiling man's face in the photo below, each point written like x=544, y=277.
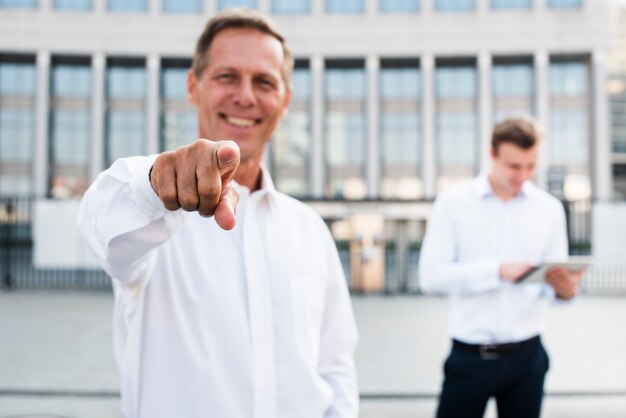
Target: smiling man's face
x=241, y=95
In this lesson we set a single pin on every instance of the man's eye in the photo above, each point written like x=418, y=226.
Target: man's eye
x=266, y=83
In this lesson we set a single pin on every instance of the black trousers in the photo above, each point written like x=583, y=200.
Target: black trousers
x=515, y=379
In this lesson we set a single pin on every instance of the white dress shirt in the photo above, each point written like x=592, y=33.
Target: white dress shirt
x=470, y=233
x=250, y=323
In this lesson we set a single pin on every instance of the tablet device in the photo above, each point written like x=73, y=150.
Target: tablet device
x=537, y=274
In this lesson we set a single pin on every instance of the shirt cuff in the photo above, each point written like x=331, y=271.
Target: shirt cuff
x=485, y=276
x=143, y=195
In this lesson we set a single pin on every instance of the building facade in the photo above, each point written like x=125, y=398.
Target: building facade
x=394, y=100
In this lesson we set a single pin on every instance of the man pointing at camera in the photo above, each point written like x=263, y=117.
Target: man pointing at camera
x=230, y=300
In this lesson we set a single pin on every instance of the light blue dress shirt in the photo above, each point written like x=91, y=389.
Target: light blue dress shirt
x=471, y=231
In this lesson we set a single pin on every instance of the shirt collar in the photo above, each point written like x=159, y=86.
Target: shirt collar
x=267, y=184
x=482, y=187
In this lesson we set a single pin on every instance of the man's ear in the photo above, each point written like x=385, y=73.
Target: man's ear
x=494, y=152
x=192, y=87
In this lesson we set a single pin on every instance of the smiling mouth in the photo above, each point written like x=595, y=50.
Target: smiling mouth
x=240, y=122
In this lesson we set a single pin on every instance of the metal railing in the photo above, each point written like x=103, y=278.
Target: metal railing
x=400, y=271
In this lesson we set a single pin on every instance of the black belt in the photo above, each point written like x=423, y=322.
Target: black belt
x=495, y=351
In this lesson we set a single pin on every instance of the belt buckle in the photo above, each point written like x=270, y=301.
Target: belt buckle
x=489, y=352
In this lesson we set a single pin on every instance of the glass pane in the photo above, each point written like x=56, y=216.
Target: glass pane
x=17, y=79
x=344, y=6
x=564, y=4
x=71, y=133
x=70, y=152
x=568, y=79
x=568, y=137
x=126, y=82
x=301, y=81
x=71, y=81
x=456, y=82
x=128, y=5
x=456, y=139
x=225, y=4
x=512, y=80
x=174, y=83
x=399, y=5
x=454, y=5
x=345, y=141
x=179, y=128
x=19, y=3
x=182, y=6
x=16, y=134
x=511, y=4
x=291, y=6
x=125, y=134
x=400, y=83
x=400, y=139
x=345, y=84
x=72, y=4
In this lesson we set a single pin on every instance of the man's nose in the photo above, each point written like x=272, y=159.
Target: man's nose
x=244, y=96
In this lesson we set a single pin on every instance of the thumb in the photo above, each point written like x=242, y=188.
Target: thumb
x=228, y=156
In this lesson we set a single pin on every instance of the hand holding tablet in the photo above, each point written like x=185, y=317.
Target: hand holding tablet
x=537, y=274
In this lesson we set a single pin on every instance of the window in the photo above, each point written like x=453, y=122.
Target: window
x=290, y=149
x=125, y=120
x=513, y=88
x=345, y=129
x=399, y=6
x=400, y=129
x=564, y=4
x=511, y=4
x=26, y=4
x=456, y=121
x=17, y=124
x=291, y=6
x=72, y=4
x=128, y=5
x=182, y=6
x=179, y=121
x=454, y=5
x=225, y=4
x=70, y=127
x=344, y=6
x=569, y=130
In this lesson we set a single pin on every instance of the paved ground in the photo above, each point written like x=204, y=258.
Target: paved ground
x=56, y=358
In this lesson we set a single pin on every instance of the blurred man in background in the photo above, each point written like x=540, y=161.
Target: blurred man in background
x=480, y=239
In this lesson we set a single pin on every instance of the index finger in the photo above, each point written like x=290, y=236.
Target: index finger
x=227, y=156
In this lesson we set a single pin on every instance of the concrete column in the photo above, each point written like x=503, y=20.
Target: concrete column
x=97, y=114
x=317, y=126
x=154, y=7
x=45, y=5
x=373, y=115
x=482, y=6
x=602, y=182
x=153, y=104
x=209, y=6
x=42, y=113
x=370, y=7
x=317, y=8
x=264, y=6
x=542, y=109
x=99, y=5
x=429, y=154
x=485, y=116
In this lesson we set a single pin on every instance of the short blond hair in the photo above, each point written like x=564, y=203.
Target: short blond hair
x=239, y=18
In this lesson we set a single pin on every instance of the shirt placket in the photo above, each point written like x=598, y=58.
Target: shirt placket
x=259, y=309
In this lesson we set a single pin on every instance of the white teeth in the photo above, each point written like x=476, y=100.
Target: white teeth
x=241, y=122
